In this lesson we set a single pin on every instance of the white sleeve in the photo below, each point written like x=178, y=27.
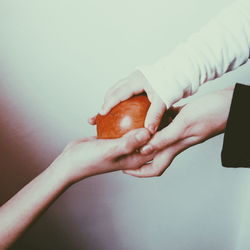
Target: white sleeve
x=221, y=46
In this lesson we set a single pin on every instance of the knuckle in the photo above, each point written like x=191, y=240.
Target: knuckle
x=113, y=91
x=124, y=89
x=117, y=94
x=196, y=130
x=159, y=142
x=120, y=163
x=157, y=146
x=199, y=128
x=126, y=147
x=186, y=122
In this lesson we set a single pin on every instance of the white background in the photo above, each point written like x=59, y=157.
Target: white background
x=57, y=59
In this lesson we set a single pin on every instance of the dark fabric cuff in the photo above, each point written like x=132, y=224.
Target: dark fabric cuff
x=236, y=145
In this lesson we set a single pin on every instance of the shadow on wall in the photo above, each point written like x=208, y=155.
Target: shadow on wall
x=22, y=157
x=19, y=164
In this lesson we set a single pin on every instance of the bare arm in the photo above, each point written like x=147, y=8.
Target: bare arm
x=22, y=209
x=220, y=46
x=195, y=123
x=79, y=160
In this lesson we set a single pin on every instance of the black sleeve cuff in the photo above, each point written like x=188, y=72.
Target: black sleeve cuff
x=236, y=144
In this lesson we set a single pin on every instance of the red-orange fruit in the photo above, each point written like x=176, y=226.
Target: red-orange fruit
x=127, y=115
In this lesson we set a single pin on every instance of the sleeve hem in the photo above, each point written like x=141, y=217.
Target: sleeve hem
x=236, y=143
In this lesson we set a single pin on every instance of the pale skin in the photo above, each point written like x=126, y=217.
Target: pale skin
x=79, y=160
x=134, y=84
x=196, y=122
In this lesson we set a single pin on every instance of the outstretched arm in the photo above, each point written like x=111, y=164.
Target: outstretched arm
x=220, y=46
x=195, y=123
x=79, y=160
x=21, y=210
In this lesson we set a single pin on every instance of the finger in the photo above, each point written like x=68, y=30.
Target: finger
x=134, y=160
x=92, y=120
x=161, y=161
x=132, y=85
x=120, y=94
x=109, y=97
x=131, y=141
x=115, y=86
x=164, y=138
x=112, y=101
x=154, y=114
x=142, y=172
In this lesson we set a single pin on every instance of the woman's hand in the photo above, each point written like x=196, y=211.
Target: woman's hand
x=90, y=156
x=134, y=84
x=79, y=160
x=195, y=123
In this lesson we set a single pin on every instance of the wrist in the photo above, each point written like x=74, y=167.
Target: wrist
x=57, y=172
x=63, y=172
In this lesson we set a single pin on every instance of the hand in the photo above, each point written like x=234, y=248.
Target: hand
x=80, y=159
x=195, y=123
x=134, y=84
x=89, y=156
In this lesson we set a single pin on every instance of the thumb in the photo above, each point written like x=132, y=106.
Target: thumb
x=155, y=114
x=164, y=138
x=132, y=141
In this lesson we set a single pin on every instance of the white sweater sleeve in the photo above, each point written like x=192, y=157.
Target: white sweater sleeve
x=221, y=46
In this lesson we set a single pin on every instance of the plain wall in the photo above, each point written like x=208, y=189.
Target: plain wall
x=57, y=59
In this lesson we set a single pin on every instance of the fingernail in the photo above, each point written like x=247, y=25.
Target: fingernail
x=142, y=135
x=148, y=149
x=152, y=128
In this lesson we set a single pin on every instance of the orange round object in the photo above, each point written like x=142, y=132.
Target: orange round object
x=127, y=115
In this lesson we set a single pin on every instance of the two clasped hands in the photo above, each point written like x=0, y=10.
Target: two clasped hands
x=217, y=48
x=195, y=122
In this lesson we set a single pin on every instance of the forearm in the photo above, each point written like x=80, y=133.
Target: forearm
x=20, y=211
x=80, y=159
x=221, y=46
